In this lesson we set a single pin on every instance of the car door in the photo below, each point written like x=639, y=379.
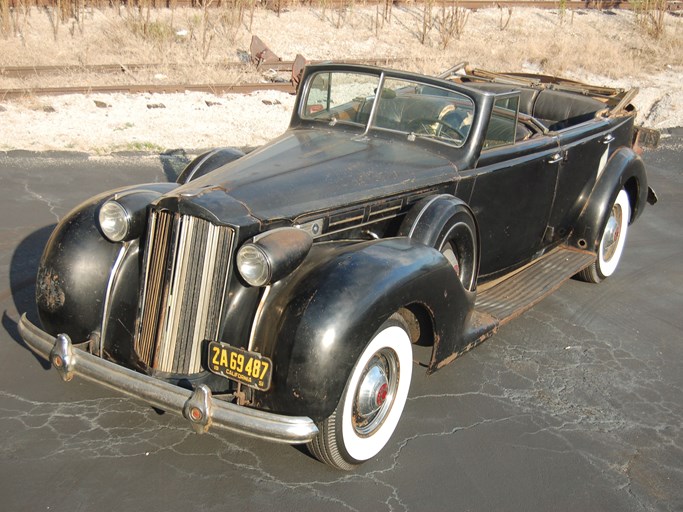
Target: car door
x=512, y=196
x=511, y=189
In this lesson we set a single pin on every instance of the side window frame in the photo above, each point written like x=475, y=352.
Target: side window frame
x=502, y=115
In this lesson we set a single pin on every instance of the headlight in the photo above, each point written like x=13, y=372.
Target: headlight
x=273, y=255
x=114, y=221
x=253, y=265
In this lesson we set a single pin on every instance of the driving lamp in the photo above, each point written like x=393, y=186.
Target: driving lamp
x=114, y=221
x=273, y=255
x=253, y=265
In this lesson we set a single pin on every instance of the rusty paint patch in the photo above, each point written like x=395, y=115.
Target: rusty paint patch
x=49, y=291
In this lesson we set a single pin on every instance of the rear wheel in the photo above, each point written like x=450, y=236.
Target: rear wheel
x=459, y=249
x=611, y=243
x=372, y=402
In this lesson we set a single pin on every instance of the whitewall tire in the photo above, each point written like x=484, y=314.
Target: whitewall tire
x=612, y=241
x=372, y=402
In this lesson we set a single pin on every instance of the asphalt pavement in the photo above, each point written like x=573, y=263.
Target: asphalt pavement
x=575, y=406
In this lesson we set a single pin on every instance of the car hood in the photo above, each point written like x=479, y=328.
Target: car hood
x=309, y=170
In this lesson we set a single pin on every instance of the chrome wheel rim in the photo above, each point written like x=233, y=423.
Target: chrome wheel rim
x=610, y=238
x=376, y=392
x=460, y=252
x=452, y=258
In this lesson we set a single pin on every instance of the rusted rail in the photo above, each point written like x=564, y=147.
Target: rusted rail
x=291, y=67
x=27, y=71
x=152, y=88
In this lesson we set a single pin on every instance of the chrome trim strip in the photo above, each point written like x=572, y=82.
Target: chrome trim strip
x=171, y=398
x=378, y=213
x=421, y=213
x=257, y=317
x=355, y=226
x=373, y=110
x=346, y=220
x=107, y=295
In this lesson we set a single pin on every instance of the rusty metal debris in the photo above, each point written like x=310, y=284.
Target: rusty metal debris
x=260, y=53
x=297, y=69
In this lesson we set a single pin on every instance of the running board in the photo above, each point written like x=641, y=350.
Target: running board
x=526, y=288
x=514, y=294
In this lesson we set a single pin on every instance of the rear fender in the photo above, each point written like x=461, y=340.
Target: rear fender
x=431, y=222
x=625, y=170
x=317, y=322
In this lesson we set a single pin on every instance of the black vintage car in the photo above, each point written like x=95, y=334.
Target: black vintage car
x=279, y=294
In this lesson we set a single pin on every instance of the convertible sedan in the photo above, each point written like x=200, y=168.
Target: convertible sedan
x=279, y=294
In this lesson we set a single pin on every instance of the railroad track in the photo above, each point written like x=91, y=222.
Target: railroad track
x=257, y=53
x=150, y=88
x=246, y=88
x=27, y=71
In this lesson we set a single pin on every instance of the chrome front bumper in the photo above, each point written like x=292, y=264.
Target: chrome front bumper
x=198, y=406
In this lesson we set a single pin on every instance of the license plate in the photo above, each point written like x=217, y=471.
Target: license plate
x=249, y=368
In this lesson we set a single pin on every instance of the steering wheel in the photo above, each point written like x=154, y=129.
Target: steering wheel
x=442, y=128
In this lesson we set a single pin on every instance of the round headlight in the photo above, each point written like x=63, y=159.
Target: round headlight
x=114, y=221
x=253, y=265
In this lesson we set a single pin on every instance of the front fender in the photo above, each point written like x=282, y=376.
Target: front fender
x=626, y=170
x=75, y=270
x=317, y=322
x=208, y=162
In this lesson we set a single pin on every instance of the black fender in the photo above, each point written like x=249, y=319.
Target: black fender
x=317, y=322
x=431, y=221
x=207, y=162
x=624, y=170
x=75, y=270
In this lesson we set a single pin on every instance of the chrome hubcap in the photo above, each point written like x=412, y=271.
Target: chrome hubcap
x=612, y=234
x=452, y=258
x=375, y=393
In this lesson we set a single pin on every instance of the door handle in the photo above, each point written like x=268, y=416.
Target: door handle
x=557, y=157
x=608, y=138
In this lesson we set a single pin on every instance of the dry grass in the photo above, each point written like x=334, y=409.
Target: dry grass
x=651, y=15
x=450, y=23
x=191, y=44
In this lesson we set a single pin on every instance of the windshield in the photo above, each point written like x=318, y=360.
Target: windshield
x=404, y=106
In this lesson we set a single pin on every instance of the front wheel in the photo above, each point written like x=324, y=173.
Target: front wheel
x=372, y=402
x=611, y=243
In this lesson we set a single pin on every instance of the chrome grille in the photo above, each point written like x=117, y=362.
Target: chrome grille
x=186, y=265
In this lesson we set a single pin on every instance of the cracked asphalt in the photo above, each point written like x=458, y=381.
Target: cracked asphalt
x=575, y=406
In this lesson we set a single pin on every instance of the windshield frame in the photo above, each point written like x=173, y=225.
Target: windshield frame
x=371, y=124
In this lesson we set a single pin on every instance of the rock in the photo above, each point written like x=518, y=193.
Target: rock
x=102, y=104
x=271, y=102
x=210, y=103
x=49, y=109
x=3, y=108
x=156, y=105
x=244, y=56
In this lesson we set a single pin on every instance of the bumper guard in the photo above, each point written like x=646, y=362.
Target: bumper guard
x=197, y=406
